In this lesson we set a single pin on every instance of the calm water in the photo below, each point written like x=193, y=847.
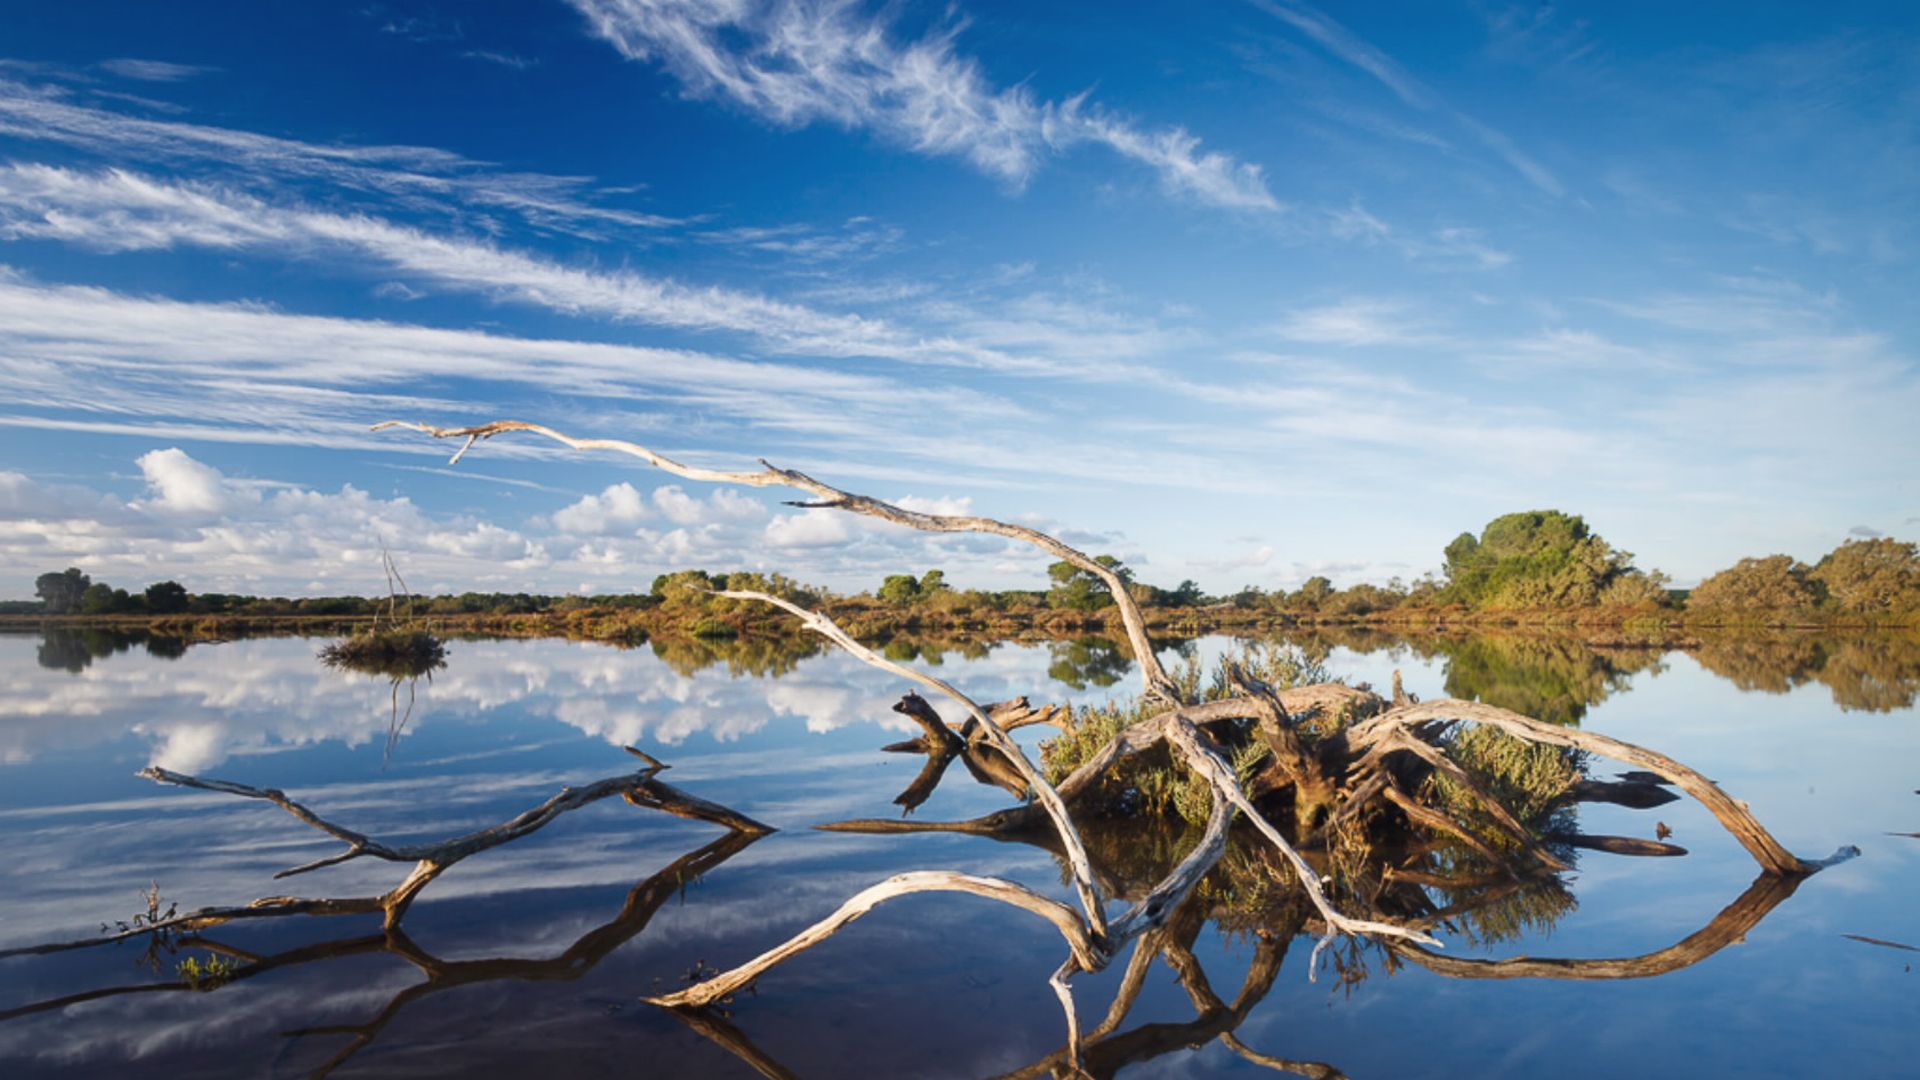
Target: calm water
x=532, y=956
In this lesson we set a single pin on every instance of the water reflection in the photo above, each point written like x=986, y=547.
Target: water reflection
x=1867, y=672
x=1245, y=896
x=74, y=650
x=794, y=751
x=238, y=964
x=1553, y=677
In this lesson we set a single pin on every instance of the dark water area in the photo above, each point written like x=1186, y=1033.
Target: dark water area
x=533, y=957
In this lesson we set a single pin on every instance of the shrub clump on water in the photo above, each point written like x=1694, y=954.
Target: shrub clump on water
x=396, y=653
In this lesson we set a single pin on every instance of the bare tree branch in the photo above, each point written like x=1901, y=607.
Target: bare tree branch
x=830, y=497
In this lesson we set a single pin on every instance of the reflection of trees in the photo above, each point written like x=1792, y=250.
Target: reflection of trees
x=1869, y=672
x=1558, y=678
x=1771, y=663
x=1555, y=678
x=760, y=657
x=1551, y=679
x=73, y=649
x=1877, y=674
x=1087, y=661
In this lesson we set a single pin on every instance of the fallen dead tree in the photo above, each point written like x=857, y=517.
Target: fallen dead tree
x=1335, y=767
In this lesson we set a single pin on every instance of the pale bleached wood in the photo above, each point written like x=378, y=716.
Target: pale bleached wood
x=1206, y=761
x=1085, y=950
x=1733, y=816
x=997, y=736
x=830, y=497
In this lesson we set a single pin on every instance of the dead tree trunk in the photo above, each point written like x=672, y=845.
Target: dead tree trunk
x=1338, y=767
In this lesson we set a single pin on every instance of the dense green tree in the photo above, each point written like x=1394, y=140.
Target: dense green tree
x=1544, y=559
x=1872, y=576
x=166, y=597
x=61, y=592
x=933, y=581
x=1312, y=595
x=1079, y=590
x=686, y=588
x=900, y=589
x=1774, y=583
x=103, y=599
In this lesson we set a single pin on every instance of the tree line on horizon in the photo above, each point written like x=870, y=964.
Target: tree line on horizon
x=1532, y=561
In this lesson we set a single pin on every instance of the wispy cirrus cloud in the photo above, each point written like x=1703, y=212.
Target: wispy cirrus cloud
x=1413, y=92
x=797, y=63
x=1452, y=245
x=1359, y=321
x=152, y=70
x=115, y=210
x=424, y=176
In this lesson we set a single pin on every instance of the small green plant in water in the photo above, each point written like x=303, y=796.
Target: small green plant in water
x=216, y=971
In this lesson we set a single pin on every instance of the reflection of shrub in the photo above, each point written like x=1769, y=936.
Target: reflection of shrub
x=714, y=628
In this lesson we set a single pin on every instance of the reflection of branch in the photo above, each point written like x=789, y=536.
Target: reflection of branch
x=734, y=1041
x=642, y=903
x=1732, y=924
x=431, y=860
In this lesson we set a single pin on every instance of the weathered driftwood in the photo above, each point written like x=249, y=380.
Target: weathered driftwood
x=829, y=497
x=1732, y=816
x=1337, y=750
x=1063, y=918
x=1042, y=791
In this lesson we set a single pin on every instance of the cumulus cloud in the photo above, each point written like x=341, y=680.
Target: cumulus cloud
x=620, y=506
x=808, y=529
x=722, y=506
x=181, y=485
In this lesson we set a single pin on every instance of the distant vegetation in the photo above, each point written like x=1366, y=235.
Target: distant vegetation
x=1535, y=566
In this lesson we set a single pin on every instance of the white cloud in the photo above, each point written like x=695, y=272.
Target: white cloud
x=1349, y=47
x=1358, y=322
x=422, y=177
x=152, y=70
x=182, y=485
x=619, y=507
x=721, y=506
x=800, y=62
x=808, y=529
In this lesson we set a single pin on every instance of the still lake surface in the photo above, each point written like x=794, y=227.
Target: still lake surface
x=532, y=957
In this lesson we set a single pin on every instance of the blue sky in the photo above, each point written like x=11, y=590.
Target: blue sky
x=1241, y=292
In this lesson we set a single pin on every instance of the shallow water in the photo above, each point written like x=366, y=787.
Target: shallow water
x=533, y=956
